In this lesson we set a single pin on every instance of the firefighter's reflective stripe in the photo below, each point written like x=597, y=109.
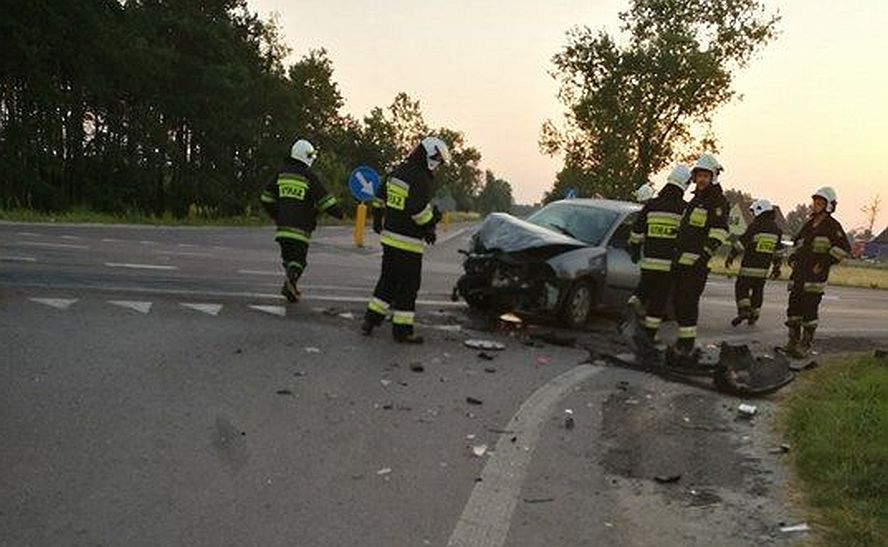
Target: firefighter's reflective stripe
x=718, y=234
x=663, y=224
x=297, y=265
x=746, y=271
x=326, y=202
x=425, y=216
x=766, y=243
x=377, y=203
x=698, y=217
x=739, y=245
x=821, y=244
x=396, y=191
x=292, y=187
x=652, y=322
x=814, y=287
x=810, y=324
x=838, y=253
x=688, y=259
x=267, y=197
x=295, y=234
x=794, y=321
x=687, y=332
x=656, y=264
x=636, y=238
x=744, y=303
x=402, y=317
x=379, y=306
x=402, y=242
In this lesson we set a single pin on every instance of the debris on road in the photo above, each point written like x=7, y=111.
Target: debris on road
x=238, y=351
x=284, y=392
x=667, y=479
x=782, y=449
x=474, y=401
x=486, y=356
x=417, y=367
x=803, y=527
x=299, y=373
x=538, y=500
x=569, y=422
x=384, y=471
x=554, y=338
x=747, y=411
x=542, y=360
x=510, y=318
x=623, y=385
x=346, y=315
x=385, y=382
x=484, y=345
x=311, y=349
x=489, y=370
x=479, y=450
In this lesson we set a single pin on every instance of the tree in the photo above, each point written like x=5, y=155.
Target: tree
x=797, y=218
x=743, y=199
x=461, y=179
x=871, y=209
x=496, y=195
x=634, y=100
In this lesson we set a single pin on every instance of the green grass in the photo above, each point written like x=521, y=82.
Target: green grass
x=851, y=273
x=837, y=422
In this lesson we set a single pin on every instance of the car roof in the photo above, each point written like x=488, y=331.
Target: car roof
x=610, y=204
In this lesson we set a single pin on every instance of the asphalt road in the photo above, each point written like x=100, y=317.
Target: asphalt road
x=155, y=390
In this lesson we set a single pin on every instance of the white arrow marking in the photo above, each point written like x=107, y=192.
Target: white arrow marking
x=365, y=184
x=141, y=307
x=210, y=309
x=140, y=266
x=280, y=311
x=58, y=303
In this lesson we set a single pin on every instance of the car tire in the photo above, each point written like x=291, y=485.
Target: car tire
x=578, y=304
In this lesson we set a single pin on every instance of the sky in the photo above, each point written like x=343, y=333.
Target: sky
x=814, y=110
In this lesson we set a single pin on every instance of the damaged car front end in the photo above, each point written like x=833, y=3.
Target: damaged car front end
x=565, y=260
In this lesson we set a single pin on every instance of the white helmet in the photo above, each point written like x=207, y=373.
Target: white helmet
x=680, y=176
x=708, y=162
x=303, y=151
x=829, y=195
x=436, y=152
x=760, y=206
x=644, y=193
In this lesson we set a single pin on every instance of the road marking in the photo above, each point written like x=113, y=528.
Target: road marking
x=140, y=266
x=71, y=238
x=486, y=518
x=261, y=272
x=451, y=235
x=53, y=245
x=186, y=253
x=141, y=307
x=186, y=245
x=17, y=259
x=210, y=309
x=28, y=234
x=280, y=311
x=110, y=240
x=146, y=242
x=58, y=303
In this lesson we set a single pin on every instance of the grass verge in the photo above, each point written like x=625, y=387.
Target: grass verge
x=850, y=274
x=837, y=422
x=85, y=216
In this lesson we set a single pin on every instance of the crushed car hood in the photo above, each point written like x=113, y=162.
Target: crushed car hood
x=505, y=233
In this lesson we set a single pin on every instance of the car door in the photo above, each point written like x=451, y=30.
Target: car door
x=622, y=274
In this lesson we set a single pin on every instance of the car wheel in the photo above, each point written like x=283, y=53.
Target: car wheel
x=578, y=304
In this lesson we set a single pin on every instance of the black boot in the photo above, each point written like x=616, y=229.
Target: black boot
x=753, y=317
x=290, y=292
x=742, y=315
x=371, y=321
x=807, y=341
x=795, y=333
x=411, y=338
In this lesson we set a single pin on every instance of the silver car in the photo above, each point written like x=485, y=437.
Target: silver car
x=567, y=259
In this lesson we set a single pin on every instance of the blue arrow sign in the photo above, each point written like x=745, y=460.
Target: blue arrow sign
x=363, y=183
x=571, y=193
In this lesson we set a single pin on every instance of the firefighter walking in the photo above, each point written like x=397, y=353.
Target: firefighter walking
x=819, y=245
x=293, y=198
x=703, y=230
x=652, y=246
x=761, y=249
x=405, y=219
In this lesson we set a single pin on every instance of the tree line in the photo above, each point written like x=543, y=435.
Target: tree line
x=159, y=106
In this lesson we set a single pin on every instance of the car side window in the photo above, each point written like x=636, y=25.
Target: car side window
x=620, y=239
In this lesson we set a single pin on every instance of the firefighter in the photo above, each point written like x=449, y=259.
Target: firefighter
x=405, y=219
x=761, y=249
x=652, y=244
x=820, y=244
x=293, y=198
x=703, y=230
x=645, y=193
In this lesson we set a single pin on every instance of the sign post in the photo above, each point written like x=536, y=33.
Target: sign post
x=362, y=183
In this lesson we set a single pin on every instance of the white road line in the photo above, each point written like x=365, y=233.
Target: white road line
x=58, y=303
x=275, y=273
x=140, y=266
x=110, y=240
x=53, y=245
x=146, y=242
x=452, y=235
x=487, y=516
x=141, y=307
x=28, y=234
x=280, y=311
x=186, y=245
x=71, y=238
x=17, y=259
x=209, y=309
x=186, y=253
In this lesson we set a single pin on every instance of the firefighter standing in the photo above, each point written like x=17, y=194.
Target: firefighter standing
x=293, y=198
x=653, y=236
x=761, y=248
x=405, y=220
x=820, y=244
x=703, y=229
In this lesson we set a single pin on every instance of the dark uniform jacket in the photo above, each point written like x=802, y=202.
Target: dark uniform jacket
x=405, y=203
x=760, y=245
x=294, y=197
x=656, y=229
x=816, y=249
x=704, y=227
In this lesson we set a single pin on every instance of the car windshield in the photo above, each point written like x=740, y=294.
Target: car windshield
x=587, y=223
